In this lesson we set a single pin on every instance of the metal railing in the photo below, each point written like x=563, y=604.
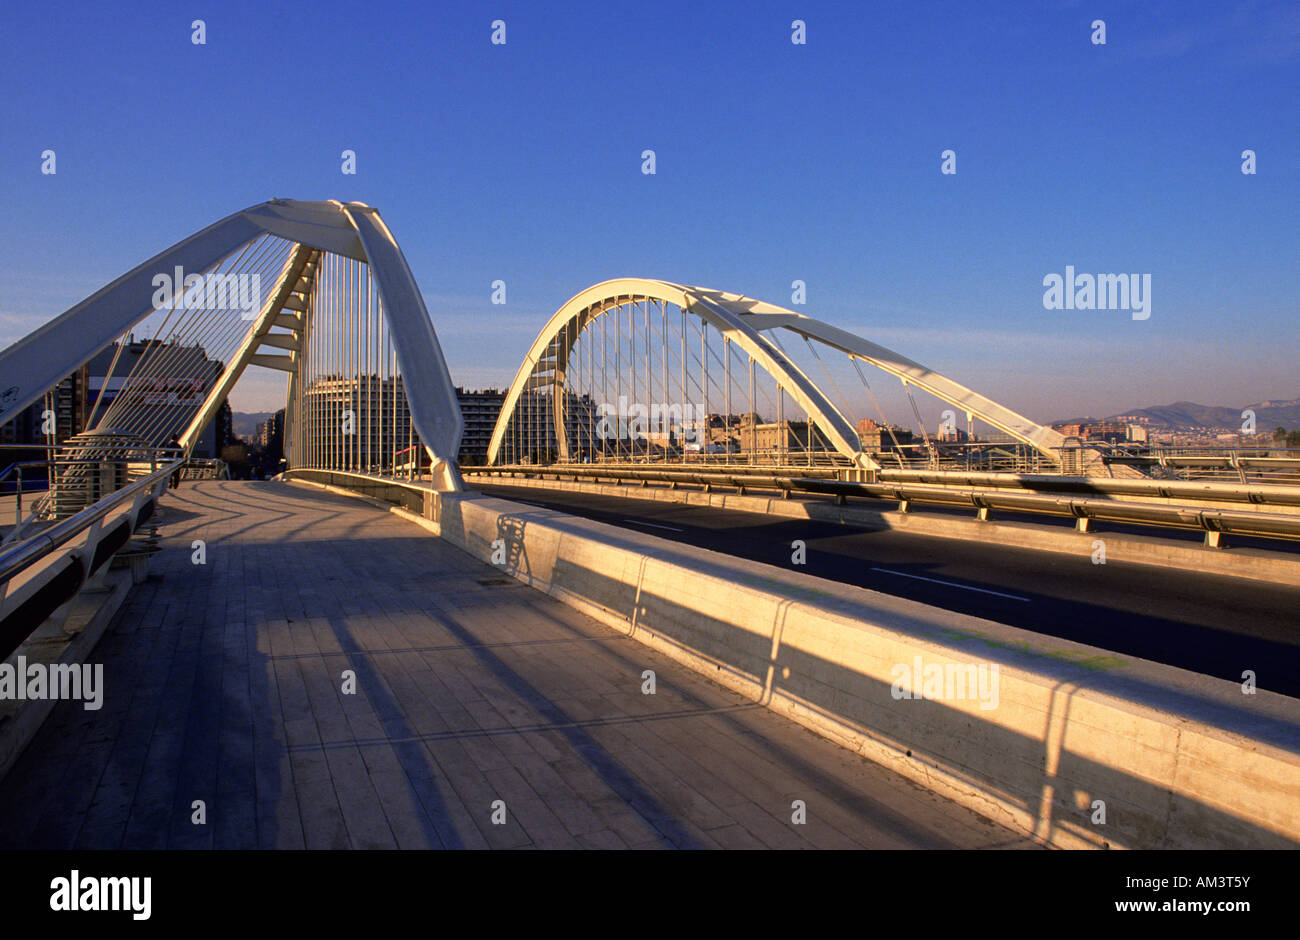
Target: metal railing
x=1013, y=456
x=1084, y=499
x=1202, y=492
x=206, y=468
x=18, y=558
x=15, y=470
x=58, y=582
x=1256, y=463
x=1242, y=464
x=87, y=467
x=78, y=474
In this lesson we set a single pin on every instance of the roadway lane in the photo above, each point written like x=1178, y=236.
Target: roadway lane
x=1210, y=624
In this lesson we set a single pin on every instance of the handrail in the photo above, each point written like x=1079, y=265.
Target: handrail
x=23, y=556
x=19, y=464
x=1260, y=494
x=1241, y=522
x=18, y=490
x=1211, y=520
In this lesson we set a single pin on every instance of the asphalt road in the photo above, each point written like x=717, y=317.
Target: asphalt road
x=1210, y=624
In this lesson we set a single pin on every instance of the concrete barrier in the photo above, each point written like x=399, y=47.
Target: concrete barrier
x=1071, y=744
x=1254, y=564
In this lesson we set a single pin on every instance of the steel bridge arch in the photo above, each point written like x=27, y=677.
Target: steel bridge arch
x=745, y=320
x=353, y=230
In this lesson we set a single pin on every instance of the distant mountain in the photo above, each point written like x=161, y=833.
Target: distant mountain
x=1269, y=414
x=246, y=422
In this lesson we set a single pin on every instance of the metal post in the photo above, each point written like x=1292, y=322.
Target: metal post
x=781, y=429
x=685, y=394
x=753, y=412
x=618, y=374
x=610, y=424
x=663, y=335
x=649, y=395
x=704, y=381
x=726, y=361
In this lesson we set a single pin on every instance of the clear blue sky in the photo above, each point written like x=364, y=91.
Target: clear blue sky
x=775, y=162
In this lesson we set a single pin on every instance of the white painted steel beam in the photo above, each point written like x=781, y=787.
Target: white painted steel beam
x=744, y=320
x=435, y=409
x=353, y=230
x=50, y=354
x=293, y=267
x=596, y=300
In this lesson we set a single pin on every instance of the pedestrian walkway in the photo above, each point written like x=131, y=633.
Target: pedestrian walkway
x=485, y=714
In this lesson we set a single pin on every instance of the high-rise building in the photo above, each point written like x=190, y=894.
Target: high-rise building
x=361, y=423
x=531, y=435
x=67, y=406
x=479, y=410
x=156, y=406
x=153, y=407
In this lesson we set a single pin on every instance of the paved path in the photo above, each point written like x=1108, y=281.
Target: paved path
x=224, y=684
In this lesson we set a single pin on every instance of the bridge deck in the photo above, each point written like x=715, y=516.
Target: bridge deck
x=223, y=684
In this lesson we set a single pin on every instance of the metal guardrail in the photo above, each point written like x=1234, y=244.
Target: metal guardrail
x=78, y=473
x=22, y=556
x=16, y=471
x=206, y=468
x=1095, y=505
x=58, y=583
x=1242, y=463
x=1213, y=522
x=1207, y=491
x=90, y=465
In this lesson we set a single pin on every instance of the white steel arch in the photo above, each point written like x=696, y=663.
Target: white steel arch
x=353, y=230
x=744, y=320
x=765, y=316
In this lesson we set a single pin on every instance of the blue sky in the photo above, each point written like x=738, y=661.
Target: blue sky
x=775, y=161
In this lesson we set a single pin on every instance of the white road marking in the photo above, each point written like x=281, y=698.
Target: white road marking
x=964, y=587
x=654, y=525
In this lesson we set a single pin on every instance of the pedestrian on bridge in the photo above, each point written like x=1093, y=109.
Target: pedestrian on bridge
x=176, y=474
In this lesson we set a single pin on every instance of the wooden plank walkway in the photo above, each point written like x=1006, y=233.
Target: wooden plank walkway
x=224, y=683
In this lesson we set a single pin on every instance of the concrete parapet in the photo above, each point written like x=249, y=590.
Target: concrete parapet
x=1252, y=564
x=1041, y=734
